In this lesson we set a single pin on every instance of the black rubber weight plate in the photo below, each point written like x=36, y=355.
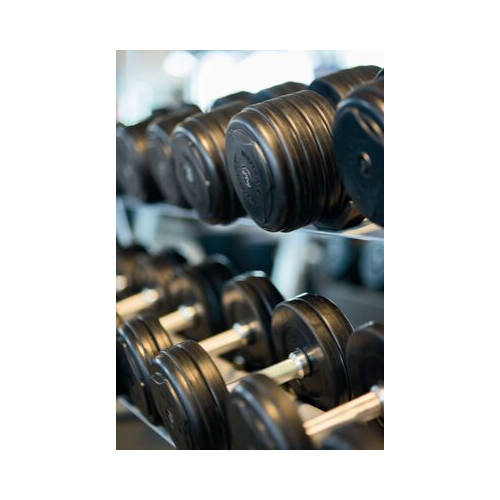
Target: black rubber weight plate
x=160, y=337
x=263, y=417
x=251, y=299
x=316, y=326
x=217, y=387
x=183, y=399
x=365, y=358
x=133, y=353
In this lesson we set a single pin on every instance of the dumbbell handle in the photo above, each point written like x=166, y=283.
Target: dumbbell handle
x=362, y=409
x=237, y=336
x=295, y=367
x=121, y=283
x=132, y=305
x=184, y=317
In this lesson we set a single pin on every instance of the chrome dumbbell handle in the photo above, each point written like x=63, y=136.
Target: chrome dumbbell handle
x=295, y=367
x=184, y=317
x=237, y=336
x=121, y=283
x=362, y=409
x=130, y=306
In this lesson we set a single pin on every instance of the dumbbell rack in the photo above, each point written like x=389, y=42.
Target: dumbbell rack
x=126, y=228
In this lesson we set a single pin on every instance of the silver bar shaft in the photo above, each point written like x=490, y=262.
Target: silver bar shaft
x=121, y=283
x=184, y=317
x=237, y=336
x=136, y=303
x=296, y=366
x=362, y=409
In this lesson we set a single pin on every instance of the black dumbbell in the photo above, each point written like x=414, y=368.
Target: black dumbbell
x=358, y=138
x=132, y=172
x=159, y=144
x=190, y=393
x=199, y=155
x=281, y=163
x=336, y=86
x=247, y=302
x=195, y=297
x=152, y=274
x=262, y=416
x=198, y=151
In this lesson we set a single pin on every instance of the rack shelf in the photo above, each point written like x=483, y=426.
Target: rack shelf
x=161, y=431
x=367, y=230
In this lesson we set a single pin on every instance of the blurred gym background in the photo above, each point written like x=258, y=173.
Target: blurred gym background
x=149, y=79
x=349, y=271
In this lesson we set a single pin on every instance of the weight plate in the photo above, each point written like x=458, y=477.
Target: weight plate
x=158, y=334
x=132, y=172
x=281, y=162
x=365, y=358
x=358, y=139
x=136, y=348
x=317, y=327
x=199, y=157
x=262, y=416
x=257, y=165
x=336, y=86
x=277, y=90
x=355, y=436
x=161, y=164
x=201, y=285
x=183, y=399
x=217, y=387
x=250, y=299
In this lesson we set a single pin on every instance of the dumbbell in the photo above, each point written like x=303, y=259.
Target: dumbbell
x=190, y=393
x=247, y=302
x=336, y=86
x=358, y=138
x=262, y=416
x=199, y=156
x=152, y=273
x=133, y=174
x=281, y=163
x=159, y=145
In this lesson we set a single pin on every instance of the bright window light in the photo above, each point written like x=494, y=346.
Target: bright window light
x=179, y=63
